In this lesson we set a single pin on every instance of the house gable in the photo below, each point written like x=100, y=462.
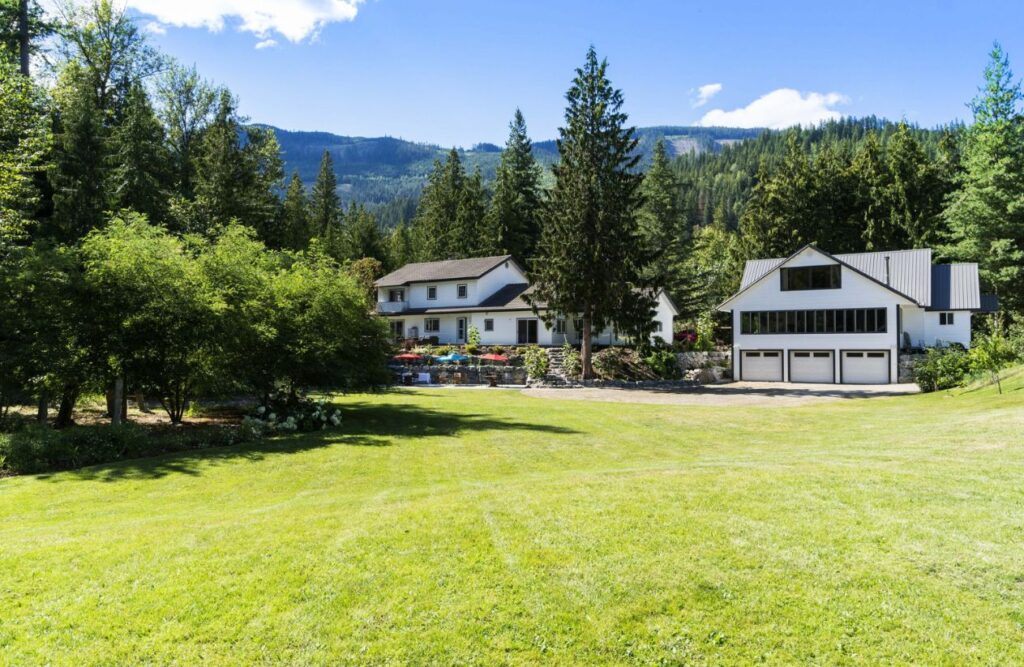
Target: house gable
x=857, y=288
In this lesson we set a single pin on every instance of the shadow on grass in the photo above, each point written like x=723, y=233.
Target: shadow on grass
x=363, y=425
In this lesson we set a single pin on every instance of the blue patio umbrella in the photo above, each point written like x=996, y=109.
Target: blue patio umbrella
x=454, y=357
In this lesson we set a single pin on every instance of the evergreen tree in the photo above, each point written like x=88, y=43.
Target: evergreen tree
x=79, y=173
x=326, y=217
x=363, y=236
x=438, y=222
x=513, y=220
x=24, y=150
x=986, y=214
x=470, y=239
x=295, y=225
x=917, y=190
x=401, y=250
x=139, y=176
x=662, y=225
x=589, y=262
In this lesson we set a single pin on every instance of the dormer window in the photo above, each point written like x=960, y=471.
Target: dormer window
x=432, y=293
x=827, y=276
x=462, y=291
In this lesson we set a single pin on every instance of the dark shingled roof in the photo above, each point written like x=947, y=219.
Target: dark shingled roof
x=452, y=269
x=506, y=296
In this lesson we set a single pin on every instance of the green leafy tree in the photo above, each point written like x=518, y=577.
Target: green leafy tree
x=187, y=103
x=590, y=262
x=25, y=141
x=365, y=271
x=163, y=338
x=986, y=214
x=513, y=220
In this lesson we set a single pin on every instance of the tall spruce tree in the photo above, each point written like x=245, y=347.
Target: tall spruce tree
x=363, y=237
x=513, y=220
x=441, y=214
x=295, y=228
x=139, y=176
x=662, y=224
x=589, y=262
x=986, y=214
x=325, y=213
x=470, y=239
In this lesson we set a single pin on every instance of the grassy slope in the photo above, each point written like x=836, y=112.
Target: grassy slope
x=486, y=527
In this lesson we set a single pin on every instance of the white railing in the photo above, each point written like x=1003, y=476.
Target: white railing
x=392, y=306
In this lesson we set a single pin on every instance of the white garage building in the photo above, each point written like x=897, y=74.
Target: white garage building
x=816, y=317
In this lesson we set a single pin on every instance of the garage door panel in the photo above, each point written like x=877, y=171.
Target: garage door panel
x=761, y=366
x=865, y=367
x=816, y=366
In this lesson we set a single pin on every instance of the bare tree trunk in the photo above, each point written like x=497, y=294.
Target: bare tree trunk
x=585, y=350
x=66, y=411
x=140, y=403
x=23, y=35
x=117, y=404
x=43, y=407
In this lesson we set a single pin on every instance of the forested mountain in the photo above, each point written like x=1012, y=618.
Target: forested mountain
x=383, y=170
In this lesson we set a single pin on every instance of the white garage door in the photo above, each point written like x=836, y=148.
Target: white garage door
x=811, y=366
x=867, y=367
x=761, y=366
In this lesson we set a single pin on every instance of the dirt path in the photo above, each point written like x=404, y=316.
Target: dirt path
x=750, y=394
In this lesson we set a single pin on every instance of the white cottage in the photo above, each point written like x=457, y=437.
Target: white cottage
x=816, y=317
x=444, y=299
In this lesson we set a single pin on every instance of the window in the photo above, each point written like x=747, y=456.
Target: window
x=657, y=326
x=432, y=293
x=946, y=319
x=828, y=276
x=853, y=320
x=488, y=325
x=526, y=332
x=462, y=291
x=397, y=329
x=432, y=325
x=396, y=295
x=559, y=326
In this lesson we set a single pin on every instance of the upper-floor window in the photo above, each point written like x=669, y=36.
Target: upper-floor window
x=827, y=276
x=945, y=319
x=432, y=324
x=462, y=291
x=847, y=320
x=396, y=295
x=432, y=293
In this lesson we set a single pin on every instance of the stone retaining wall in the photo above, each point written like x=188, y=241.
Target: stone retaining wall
x=706, y=367
x=469, y=374
x=906, y=366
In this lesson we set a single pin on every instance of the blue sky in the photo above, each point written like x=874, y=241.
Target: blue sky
x=453, y=71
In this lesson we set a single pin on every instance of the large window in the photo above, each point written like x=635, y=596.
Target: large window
x=847, y=320
x=432, y=325
x=526, y=332
x=827, y=276
x=396, y=295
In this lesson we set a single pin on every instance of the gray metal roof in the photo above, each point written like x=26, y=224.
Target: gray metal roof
x=955, y=287
x=451, y=269
x=909, y=272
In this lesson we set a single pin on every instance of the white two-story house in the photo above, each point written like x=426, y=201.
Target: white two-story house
x=816, y=317
x=443, y=300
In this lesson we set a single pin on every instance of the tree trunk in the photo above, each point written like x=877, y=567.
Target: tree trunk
x=23, y=35
x=66, y=411
x=117, y=402
x=587, y=371
x=140, y=403
x=43, y=408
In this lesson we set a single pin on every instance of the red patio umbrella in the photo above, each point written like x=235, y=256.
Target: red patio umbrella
x=494, y=357
x=407, y=357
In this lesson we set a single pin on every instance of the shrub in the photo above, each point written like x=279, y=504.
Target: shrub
x=37, y=448
x=664, y=364
x=536, y=361
x=991, y=353
x=290, y=413
x=619, y=363
x=572, y=363
x=942, y=368
x=705, y=333
x=473, y=337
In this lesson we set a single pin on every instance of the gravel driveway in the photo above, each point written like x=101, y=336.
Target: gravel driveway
x=752, y=394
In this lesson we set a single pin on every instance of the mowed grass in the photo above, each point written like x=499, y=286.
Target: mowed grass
x=487, y=527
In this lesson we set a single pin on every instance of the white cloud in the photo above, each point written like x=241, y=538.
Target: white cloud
x=295, y=20
x=705, y=93
x=266, y=44
x=155, y=28
x=779, y=109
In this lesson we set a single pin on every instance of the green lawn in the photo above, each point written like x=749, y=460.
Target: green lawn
x=486, y=527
